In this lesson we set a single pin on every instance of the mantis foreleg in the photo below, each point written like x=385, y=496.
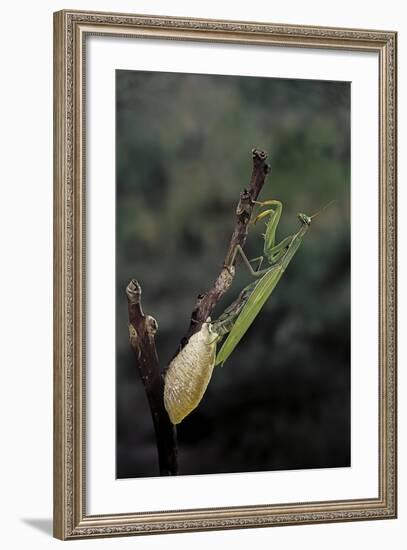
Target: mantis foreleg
x=275, y=215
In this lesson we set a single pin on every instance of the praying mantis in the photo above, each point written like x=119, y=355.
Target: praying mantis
x=242, y=313
x=189, y=373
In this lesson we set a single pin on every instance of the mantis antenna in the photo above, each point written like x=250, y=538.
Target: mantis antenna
x=318, y=212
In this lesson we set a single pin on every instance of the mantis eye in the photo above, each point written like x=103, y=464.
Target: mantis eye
x=304, y=219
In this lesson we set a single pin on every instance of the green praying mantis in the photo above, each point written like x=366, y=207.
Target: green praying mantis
x=189, y=373
x=240, y=315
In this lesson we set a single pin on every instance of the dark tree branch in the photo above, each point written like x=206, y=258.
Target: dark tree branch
x=142, y=329
x=206, y=303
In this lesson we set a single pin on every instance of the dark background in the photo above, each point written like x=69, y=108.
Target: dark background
x=282, y=400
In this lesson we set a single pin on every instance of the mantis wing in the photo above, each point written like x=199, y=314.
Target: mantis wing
x=257, y=299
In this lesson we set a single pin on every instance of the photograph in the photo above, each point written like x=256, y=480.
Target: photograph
x=224, y=274
x=233, y=270
x=201, y=211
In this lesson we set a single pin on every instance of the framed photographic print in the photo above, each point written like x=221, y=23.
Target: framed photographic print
x=225, y=274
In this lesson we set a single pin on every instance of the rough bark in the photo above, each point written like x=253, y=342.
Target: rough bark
x=142, y=329
x=206, y=302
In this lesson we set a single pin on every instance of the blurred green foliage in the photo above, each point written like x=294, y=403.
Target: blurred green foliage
x=183, y=155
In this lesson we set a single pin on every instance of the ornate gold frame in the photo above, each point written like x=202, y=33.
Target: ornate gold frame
x=70, y=31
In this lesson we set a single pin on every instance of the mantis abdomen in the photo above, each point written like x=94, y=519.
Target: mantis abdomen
x=189, y=373
x=225, y=322
x=255, y=302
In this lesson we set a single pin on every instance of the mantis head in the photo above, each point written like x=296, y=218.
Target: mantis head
x=304, y=219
